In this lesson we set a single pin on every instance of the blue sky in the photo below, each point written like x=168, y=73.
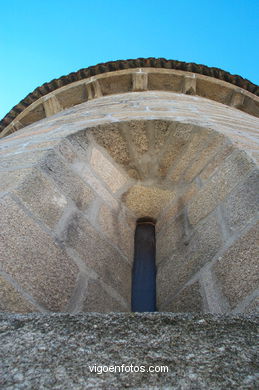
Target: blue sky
x=42, y=40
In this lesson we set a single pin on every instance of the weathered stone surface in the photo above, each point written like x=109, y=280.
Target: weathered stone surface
x=201, y=352
x=164, y=82
x=99, y=255
x=9, y=180
x=111, y=139
x=216, y=161
x=80, y=141
x=115, y=84
x=147, y=201
x=195, y=145
x=189, y=300
x=11, y=300
x=42, y=197
x=169, y=237
x=42, y=145
x=67, y=150
x=242, y=205
x=33, y=115
x=114, y=178
x=75, y=95
x=22, y=160
x=93, y=89
x=188, y=116
x=189, y=84
x=31, y=257
x=216, y=91
x=173, y=151
x=133, y=173
x=100, y=300
x=84, y=172
x=253, y=306
x=160, y=132
x=170, y=78
x=69, y=183
x=188, y=258
x=175, y=146
x=138, y=135
x=52, y=106
x=232, y=171
x=204, y=157
x=115, y=227
x=177, y=205
x=238, y=269
x=139, y=81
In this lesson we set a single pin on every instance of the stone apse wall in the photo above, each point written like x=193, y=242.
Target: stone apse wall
x=73, y=184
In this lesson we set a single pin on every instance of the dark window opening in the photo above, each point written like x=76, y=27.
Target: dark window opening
x=143, y=295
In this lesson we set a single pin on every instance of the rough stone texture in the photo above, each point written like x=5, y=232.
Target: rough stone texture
x=11, y=300
x=215, y=92
x=111, y=139
x=84, y=172
x=216, y=162
x=21, y=160
x=232, y=170
x=159, y=133
x=75, y=95
x=52, y=106
x=137, y=130
x=100, y=300
x=164, y=82
x=169, y=238
x=107, y=171
x=201, y=352
x=174, y=147
x=99, y=255
x=204, y=157
x=69, y=183
x=242, y=205
x=189, y=300
x=177, y=205
x=116, y=228
x=70, y=150
x=9, y=180
x=188, y=258
x=147, y=201
x=41, y=196
x=238, y=269
x=253, y=306
x=138, y=134
x=80, y=142
x=31, y=257
x=139, y=81
x=196, y=144
x=35, y=114
x=115, y=84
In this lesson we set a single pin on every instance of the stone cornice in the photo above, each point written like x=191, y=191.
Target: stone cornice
x=132, y=75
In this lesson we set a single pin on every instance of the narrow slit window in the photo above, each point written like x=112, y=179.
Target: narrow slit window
x=143, y=296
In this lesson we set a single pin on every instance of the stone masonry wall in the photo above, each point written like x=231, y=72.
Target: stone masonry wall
x=73, y=185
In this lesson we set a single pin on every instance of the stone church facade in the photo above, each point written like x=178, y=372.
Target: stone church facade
x=83, y=157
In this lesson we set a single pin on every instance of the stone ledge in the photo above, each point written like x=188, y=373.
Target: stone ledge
x=120, y=76
x=55, y=351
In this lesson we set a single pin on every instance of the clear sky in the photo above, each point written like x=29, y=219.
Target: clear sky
x=45, y=39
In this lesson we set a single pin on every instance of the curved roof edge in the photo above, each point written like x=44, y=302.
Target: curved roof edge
x=126, y=64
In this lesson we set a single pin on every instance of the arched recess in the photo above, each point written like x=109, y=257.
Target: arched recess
x=70, y=199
